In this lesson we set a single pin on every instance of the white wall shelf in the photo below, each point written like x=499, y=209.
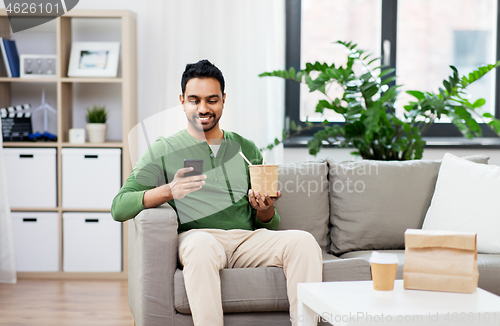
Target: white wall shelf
x=67, y=95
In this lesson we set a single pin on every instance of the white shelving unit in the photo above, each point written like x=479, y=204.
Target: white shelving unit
x=69, y=95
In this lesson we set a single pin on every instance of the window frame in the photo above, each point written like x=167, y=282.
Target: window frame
x=388, y=32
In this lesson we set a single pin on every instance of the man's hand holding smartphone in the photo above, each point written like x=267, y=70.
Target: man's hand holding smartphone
x=178, y=188
x=182, y=185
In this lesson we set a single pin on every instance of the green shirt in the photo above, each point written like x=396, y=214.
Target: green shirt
x=222, y=203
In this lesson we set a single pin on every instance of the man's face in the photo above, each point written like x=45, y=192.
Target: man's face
x=203, y=102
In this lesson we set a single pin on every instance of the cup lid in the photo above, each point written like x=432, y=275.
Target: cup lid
x=383, y=258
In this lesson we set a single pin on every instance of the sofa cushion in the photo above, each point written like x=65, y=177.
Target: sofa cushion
x=243, y=290
x=487, y=264
x=489, y=270
x=365, y=255
x=328, y=256
x=304, y=203
x=356, y=269
x=264, y=288
x=372, y=203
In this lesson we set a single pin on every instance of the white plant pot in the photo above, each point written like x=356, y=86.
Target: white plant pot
x=96, y=132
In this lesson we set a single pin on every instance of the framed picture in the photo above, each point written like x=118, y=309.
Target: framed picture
x=94, y=59
x=38, y=65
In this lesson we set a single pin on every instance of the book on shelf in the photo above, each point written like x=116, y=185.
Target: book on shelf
x=3, y=69
x=12, y=56
x=4, y=58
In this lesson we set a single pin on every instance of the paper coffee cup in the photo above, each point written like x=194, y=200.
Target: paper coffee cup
x=384, y=267
x=264, y=179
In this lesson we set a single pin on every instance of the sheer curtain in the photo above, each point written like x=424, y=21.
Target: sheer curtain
x=243, y=38
x=7, y=262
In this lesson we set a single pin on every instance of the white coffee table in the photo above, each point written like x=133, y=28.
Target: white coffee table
x=356, y=303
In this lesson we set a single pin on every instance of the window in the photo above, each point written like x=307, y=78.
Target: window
x=425, y=37
x=324, y=22
x=431, y=35
x=470, y=48
x=473, y=48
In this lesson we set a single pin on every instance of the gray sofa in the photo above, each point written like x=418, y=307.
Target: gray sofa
x=351, y=208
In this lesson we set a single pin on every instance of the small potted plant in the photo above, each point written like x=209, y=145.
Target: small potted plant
x=96, y=124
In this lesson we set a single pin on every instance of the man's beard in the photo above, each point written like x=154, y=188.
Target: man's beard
x=195, y=118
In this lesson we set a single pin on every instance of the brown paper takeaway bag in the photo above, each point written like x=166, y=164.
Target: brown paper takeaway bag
x=440, y=261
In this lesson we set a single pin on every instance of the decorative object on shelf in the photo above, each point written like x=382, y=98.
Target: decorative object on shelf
x=16, y=123
x=38, y=65
x=94, y=59
x=46, y=107
x=46, y=136
x=10, y=56
x=96, y=124
x=372, y=125
x=77, y=136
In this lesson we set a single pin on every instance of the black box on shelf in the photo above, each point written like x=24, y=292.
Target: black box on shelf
x=16, y=123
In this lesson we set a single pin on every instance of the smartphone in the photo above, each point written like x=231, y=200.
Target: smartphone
x=196, y=164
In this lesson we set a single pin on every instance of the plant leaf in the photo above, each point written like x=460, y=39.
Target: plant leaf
x=417, y=94
x=478, y=103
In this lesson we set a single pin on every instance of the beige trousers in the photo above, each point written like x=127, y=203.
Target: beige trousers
x=204, y=252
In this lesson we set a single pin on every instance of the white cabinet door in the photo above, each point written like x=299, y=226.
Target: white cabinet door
x=91, y=177
x=31, y=177
x=36, y=241
x=92, y=242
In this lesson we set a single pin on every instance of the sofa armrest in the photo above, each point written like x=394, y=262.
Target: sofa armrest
x=152, y=261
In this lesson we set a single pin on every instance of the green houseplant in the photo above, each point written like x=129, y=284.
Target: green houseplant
x=96, y=124
x=372, y=125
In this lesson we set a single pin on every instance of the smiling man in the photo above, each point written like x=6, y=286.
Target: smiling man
x=221, y=222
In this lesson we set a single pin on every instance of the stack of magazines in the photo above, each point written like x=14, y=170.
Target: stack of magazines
x=9, y=57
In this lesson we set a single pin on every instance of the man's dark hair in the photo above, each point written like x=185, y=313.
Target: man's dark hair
x=201, y=69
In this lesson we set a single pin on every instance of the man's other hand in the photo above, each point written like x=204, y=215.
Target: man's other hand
x=262, y=203
x=181, y=185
